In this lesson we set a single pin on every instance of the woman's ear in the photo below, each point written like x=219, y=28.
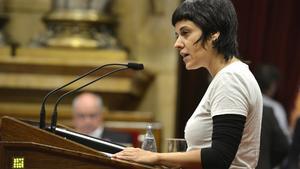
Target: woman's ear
x=215, y=36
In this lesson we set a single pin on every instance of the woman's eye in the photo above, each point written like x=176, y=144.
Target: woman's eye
x=184, y=33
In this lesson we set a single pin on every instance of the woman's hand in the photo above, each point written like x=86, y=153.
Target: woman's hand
x=137, y=155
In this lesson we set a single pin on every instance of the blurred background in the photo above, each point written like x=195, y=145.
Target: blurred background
x=46, y=43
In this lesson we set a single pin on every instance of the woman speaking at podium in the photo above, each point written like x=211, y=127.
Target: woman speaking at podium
x=224, y=130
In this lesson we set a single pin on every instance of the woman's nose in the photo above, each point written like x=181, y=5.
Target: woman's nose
x=178, y=44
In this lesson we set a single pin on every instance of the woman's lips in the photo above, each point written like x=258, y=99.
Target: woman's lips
x=186, y=58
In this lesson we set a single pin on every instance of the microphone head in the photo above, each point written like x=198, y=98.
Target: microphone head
x=135, y=66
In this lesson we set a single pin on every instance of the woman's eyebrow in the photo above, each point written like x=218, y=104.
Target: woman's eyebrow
x=182, y=28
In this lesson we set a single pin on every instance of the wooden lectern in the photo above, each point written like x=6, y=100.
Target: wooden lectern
x=25, y=146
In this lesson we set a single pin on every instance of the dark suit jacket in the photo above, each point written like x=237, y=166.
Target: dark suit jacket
x=293, y=159
x=116, y=136
x=273, y=143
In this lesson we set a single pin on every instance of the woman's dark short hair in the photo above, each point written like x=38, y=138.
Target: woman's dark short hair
x=212, y=16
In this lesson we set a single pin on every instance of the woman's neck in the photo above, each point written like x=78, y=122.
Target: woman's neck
x=217, y=63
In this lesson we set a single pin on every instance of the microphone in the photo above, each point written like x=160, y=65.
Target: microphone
x=135, y=66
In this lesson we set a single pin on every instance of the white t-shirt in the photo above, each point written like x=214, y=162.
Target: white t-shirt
x=233, y=90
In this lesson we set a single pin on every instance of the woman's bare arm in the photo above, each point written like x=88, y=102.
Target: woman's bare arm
x=189, y=159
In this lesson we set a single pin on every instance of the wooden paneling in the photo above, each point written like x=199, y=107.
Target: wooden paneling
x=27, y=77
x=48, y=82
x=31, y=111
x=38, y=156
x=61, y=56
x=4, y=51
x=43, y=150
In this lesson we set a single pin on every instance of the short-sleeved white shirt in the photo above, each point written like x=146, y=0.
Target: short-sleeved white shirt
x=233, y=90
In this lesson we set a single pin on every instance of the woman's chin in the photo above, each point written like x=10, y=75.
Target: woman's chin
x=190, y=67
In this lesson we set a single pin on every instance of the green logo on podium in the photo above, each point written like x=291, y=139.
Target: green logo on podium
x=18, y=163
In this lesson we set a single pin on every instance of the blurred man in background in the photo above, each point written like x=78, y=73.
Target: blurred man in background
x=267, y=77
x=275, y=133
x=274, y=144
x=88, y=119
